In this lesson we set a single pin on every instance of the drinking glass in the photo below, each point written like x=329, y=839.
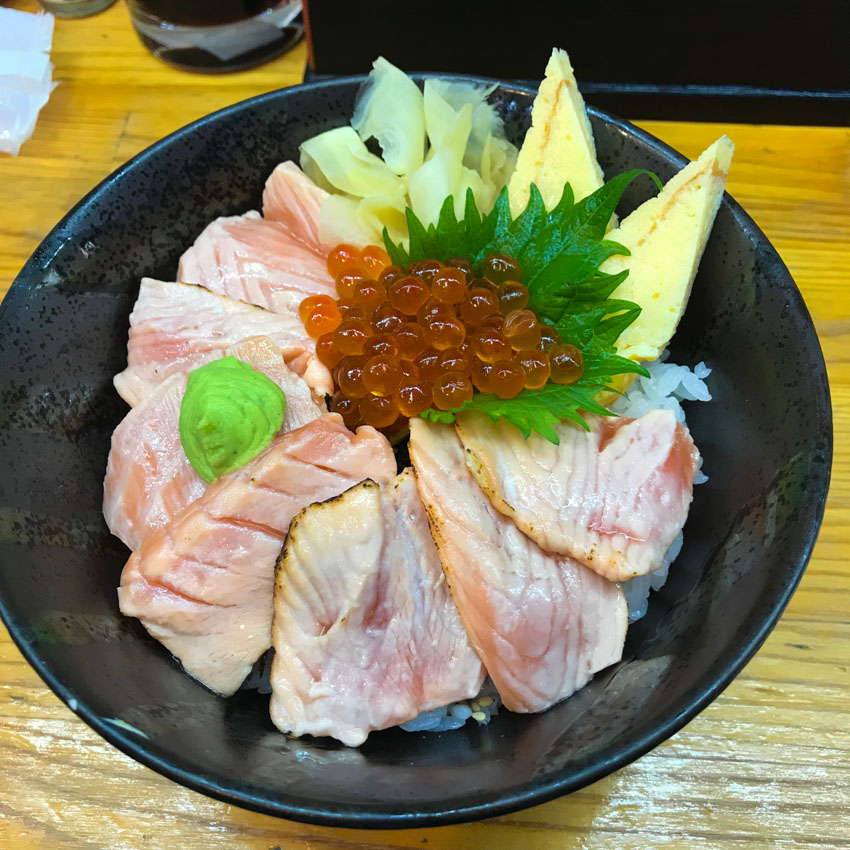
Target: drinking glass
x=217, y=35
x=75, y=8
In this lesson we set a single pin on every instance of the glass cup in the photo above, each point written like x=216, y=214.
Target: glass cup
x=217, y=35
x=75, y=8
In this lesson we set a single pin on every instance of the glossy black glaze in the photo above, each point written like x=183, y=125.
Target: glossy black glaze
x=766, y=438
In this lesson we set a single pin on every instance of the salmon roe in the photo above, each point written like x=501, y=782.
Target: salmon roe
x=374, y=259
x=566, y=363
x=412, y=397
x=451, y=389
x=378, y=411
x=348, y=408
x=399, y=341
x=321, y=317
x=535, y=365
x=522, y=330
x=512, y=296
x=506, y=379
x=339, y=258
x=347, y=280
x=549, y=337
x=498, y=268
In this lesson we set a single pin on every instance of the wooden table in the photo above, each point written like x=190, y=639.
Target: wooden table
x=768, y=763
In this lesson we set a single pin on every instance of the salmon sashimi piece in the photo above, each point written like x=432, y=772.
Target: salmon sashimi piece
x=203, y=584
x=259, y=262
x=543, y=624
x=292, y=199
x=614, y=497
x=175, y=327
x=149, y=479
x=365, y=632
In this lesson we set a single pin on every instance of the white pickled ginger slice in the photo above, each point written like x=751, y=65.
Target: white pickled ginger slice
x=379, y=211
x=21, y=30
x=498, y=161
x=338, y=160
x=443, y=172
x=390, y=109
x=361, y=221
x=447, y=127
x=338, y=222
x=486, y=122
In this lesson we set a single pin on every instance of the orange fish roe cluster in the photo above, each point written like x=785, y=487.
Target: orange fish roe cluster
x=400, y=341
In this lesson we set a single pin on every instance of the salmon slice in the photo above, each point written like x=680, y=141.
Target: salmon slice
x=292, y=199
x=365, y=633
x=614, y=497
x=542, y=624
x=149, y=480
x=175, y=327
x=259, y=262
x=203, y=584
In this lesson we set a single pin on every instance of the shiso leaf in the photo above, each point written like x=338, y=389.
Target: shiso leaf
x=533, y=410
x=560, y=251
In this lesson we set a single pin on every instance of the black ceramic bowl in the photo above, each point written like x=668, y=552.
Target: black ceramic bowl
x=766, y=439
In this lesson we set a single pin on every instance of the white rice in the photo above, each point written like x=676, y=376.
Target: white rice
x=480, y=710
x=666, y=387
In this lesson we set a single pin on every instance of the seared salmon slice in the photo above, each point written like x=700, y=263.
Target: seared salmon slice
x=203, y=584
x=365, y=633
x=292, y=199
x=149, y=480
x=614, y=497
x=175, y=327
x=542, y=624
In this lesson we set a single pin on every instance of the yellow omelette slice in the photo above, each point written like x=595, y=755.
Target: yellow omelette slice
x=666, y=236
x=559, y=147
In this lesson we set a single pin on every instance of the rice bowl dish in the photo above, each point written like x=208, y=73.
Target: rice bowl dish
x=268, y=793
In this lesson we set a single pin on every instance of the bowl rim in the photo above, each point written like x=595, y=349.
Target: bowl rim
x=532, y=793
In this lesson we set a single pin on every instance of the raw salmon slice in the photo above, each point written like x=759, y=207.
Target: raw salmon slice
x=149, y=480
x=203, y=584
x=365, y=633
x=175, y=327
x=259, y=262
x=614, y=497
x=542, y=624
x=292, y=199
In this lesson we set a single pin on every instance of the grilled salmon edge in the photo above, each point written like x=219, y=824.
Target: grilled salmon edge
x=484, y=477
x=280, y=564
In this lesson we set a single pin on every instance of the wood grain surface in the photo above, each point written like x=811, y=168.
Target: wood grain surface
x=766, y=765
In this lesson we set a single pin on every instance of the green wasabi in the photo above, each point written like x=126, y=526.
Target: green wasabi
x=229, y=414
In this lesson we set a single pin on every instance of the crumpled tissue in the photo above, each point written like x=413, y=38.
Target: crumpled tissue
x=25, y=74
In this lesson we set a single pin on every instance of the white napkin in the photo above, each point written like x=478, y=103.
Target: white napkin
x=25, y=74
